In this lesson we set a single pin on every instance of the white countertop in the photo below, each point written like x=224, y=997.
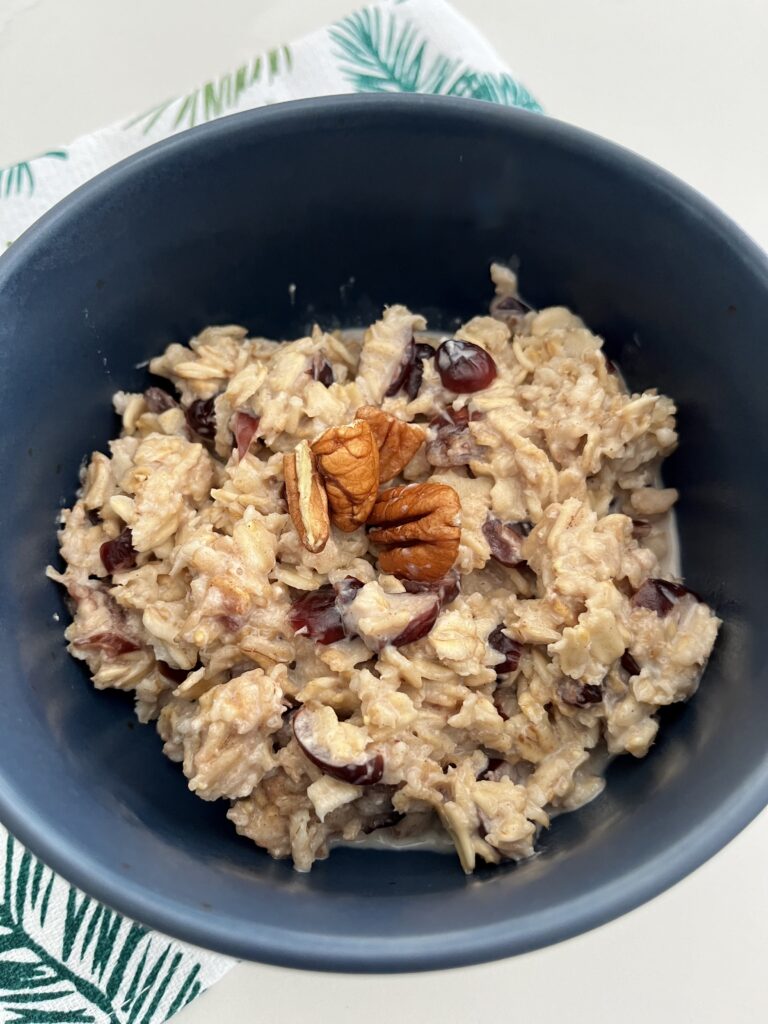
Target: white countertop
x=683, y=82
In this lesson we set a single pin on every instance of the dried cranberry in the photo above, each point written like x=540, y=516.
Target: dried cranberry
x=494, y=763
x=640, y=528
x=447, y=588
x=629, y=664
x=464, y=367
x=118, y=554
x=499, y=708
x=579, y=695
x=176, y=675
x=505, y=645
x=244, y=427
x=112, y=644
x=317, y=614
x=401, y=373
x=388, y=819
x=320, y=614
x=322, y=370
x=201, y=417
x=366, y=771
x=652, y=597
x=419, y=626
x=346, y=589
x=454, y=419
x=410, y=372
x=509, y=309
x=506, y=540
x=452, y=443
x=659, y=595
x=159, y=400
x=416, y=371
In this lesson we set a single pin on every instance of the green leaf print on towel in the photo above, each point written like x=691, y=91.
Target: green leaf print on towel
x=379, y=54
x=66, y=959
x=19, y=179
x=496, y=88
x=214, y=98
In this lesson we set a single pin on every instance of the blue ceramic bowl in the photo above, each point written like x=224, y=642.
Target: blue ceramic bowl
x=412, y=198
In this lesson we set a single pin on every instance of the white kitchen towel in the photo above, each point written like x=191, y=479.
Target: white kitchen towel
x=407, y=46
x=64, y=958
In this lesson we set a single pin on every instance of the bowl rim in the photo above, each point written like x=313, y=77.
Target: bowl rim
x=279, y=946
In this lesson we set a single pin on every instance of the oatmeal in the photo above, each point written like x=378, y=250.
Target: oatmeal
x=389, y=583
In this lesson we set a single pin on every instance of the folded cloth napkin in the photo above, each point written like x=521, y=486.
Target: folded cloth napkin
x=407, y=46
x=64, y=957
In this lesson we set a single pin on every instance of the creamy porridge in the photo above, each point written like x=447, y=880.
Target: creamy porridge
x=388, y=582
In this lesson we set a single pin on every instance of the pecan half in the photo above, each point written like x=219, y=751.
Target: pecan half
x=418, y=529
x=307, y=500
x=396, y=440
x=348, y=459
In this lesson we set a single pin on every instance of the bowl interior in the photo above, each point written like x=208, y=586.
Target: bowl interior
x=361, y=202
